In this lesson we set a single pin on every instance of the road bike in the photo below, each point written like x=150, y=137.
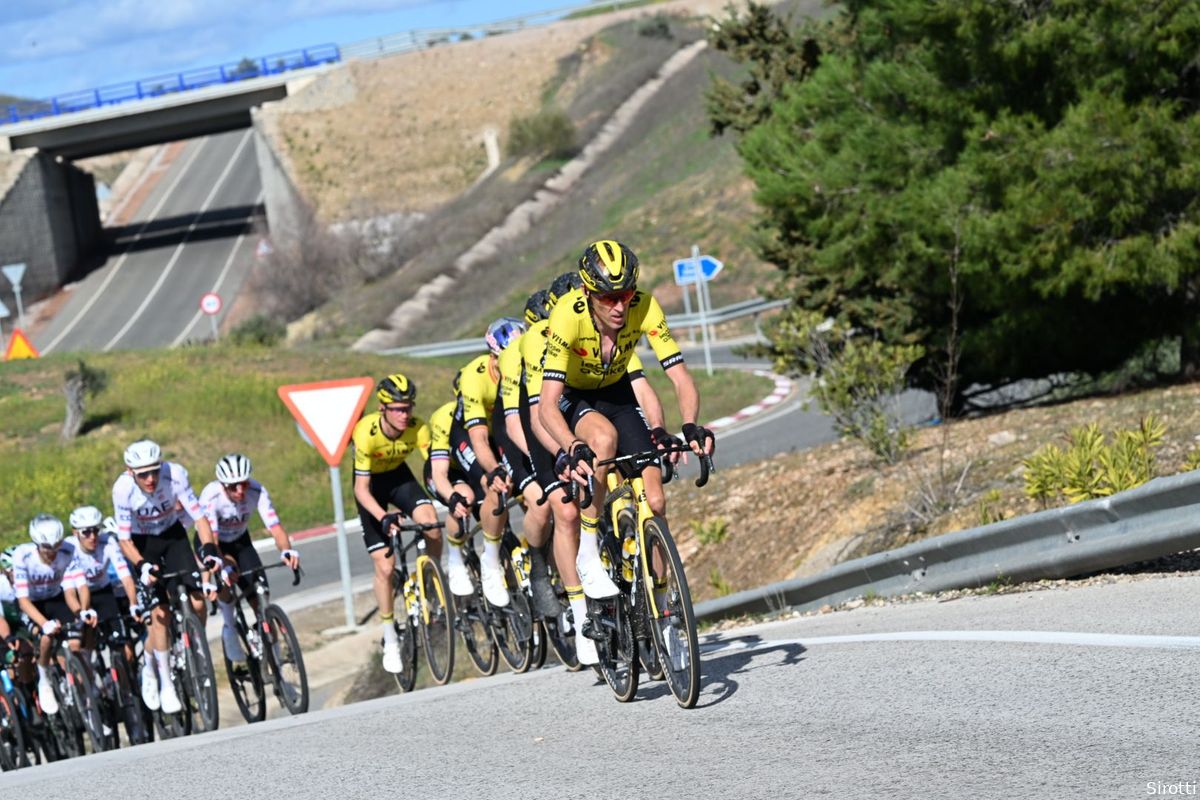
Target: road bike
x=650, y=622
x=428, y=608
x=272, y=651
x=190, y=662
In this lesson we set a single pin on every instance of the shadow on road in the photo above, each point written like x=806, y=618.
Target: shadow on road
x=718, y=668
x=219, y=223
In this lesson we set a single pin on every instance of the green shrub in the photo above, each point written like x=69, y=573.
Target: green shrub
x=1090, y=466
x=711, y=531
x=261, y=329
x=657, y=27
x=549, y=133
x=718, y=583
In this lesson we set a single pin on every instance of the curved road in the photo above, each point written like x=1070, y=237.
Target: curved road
x=190, y=235
x=1083, y=692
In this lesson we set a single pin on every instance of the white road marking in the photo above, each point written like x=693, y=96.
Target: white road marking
x=162, y=278
x=1020, y=637
x=112, y=273
x=182, y=337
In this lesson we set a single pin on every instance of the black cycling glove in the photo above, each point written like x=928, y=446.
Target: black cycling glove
x=456, y=500
x=696, y=433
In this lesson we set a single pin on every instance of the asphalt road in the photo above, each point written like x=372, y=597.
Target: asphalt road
x=191, y=235
x=1085, y=692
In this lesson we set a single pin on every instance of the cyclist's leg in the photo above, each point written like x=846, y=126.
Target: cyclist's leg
x=411, y=499
x=379, y=548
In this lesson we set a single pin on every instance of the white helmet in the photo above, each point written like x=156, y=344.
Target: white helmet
x=142, y=454
x=233, y=468
x=109, y=525
x=46, y=530
x=85, y=517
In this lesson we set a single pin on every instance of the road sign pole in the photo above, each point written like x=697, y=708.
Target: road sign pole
x=20, y=307
x=339, y=515
x=701, y=295
x=213, y=320
x=687, y=309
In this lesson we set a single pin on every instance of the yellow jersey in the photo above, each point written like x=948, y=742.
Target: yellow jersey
x=439, y=430
x=477, y=392
x=573, y=343
x=374, y=452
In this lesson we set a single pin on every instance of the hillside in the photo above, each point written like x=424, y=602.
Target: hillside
x=665, y=185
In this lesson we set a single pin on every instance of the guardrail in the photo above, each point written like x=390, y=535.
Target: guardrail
x=160, y=85
x=1157, y=519
x=746, y=308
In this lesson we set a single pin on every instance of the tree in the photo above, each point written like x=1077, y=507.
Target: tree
x=1014, y=155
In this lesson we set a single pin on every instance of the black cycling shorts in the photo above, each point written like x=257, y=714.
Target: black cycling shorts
x=542, y=461
x=619, y=405
x=518, y=464
x=54, y=608
x=171, y=551
x=242, y=551
x=397, y=487
x=464, y=455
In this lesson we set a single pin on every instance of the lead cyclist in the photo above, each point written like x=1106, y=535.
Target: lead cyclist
x=587, y=405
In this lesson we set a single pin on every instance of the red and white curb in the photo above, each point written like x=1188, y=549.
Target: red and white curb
x=783, y=388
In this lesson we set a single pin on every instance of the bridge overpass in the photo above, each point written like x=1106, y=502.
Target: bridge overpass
x=49, y=217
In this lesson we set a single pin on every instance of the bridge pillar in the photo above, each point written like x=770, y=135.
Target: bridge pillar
x=49, y=219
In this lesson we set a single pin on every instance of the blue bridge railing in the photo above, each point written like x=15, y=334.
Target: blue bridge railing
x=172, y=83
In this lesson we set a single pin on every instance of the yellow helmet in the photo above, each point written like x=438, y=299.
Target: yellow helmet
x=608, y=266
x=396, y=388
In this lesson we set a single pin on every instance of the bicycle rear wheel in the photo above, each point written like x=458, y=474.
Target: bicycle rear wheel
x=672, y=619
x=201, y=678
x=437, y=615
x=86, y=701
x=282, y=651
x=12, y=743
x=129, y=709
x=513, y=625
x=65, y=727
x=246, y=681
x=23, y=715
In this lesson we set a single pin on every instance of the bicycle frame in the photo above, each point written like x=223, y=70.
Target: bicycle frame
x=422, y=563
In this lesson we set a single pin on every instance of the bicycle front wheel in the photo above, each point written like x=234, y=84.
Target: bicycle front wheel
x=129, y=708
x=672, y=619
x=83, y=695
x=201, y=678
x=471, y=621
x=437, y=615
x=513, y=625
x=282, y=650
x=246, y=681
x=12, y=743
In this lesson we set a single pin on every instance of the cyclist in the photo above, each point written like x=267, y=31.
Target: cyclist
x=383, y=440
x=445, y=481
x=566, y=515
x=48, y=603
x=593, y=331
x=471, y=439
x=97, y=555
x=228, y=502
x=150, y=501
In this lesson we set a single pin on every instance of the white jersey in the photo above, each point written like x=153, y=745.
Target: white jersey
x=8, y=596
x=93, y=569
x=151, y=514
x=34, y=578
x=228, y=519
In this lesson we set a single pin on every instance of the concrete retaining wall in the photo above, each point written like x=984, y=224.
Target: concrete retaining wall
x=50, y=220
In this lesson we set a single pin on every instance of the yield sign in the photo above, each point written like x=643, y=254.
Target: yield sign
x=327, y=412
x=19, y=346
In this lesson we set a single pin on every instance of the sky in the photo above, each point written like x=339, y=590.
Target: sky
x=52, y=47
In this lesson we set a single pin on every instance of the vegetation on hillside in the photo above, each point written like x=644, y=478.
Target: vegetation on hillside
x=1003, y=173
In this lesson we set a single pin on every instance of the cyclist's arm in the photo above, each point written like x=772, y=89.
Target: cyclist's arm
x=553, y=423
x=516, y=431
x=362, y=493
x=131, y=553
x=21, y=589
x=5, y=631
x=482, y=447
x=647, y=398
x=439, y=470
x=81, y=595
x=270, y=518
x=282, y=542
x=130, y=587
x=685, y=393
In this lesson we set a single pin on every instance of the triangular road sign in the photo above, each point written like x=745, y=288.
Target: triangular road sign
x=327, y=412
x=19, y=346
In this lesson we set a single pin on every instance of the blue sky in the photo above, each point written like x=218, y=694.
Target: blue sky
x=50, y=47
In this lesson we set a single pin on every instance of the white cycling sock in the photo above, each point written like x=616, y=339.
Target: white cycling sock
x=43, y=673
x=227, y=611
x=589, y=543
x=491, y=553
x=454, y=555
x=578, y=611
x=389, y=629
x=164, y=665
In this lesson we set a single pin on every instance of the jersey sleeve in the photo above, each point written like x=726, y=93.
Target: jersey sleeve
x=184, y=492
x=510, y=376
x=113, y=555
x=474, y=390
x=635, y=369
x=76, y=574
x=533, y=350
x=560, y=337
x=362, y=445
x=439, y=432
x=20, y=578
x=654, y=325
x=122, y=511
x=424, y=446
x=266, y=509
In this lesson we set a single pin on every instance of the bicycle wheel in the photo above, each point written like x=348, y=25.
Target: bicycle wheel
x=86, y=701
x=128, y=707
x=23, y=715
x=672, y=619
x=201, y=679
x=61, y=727
x=12, y=743
x=245, y=680
x=513, y=625
x=618, y=650
x=560, y=631
x=437, y=613
x=471, y=621
x=285, y=660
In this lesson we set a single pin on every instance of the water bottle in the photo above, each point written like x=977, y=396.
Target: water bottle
x=410, y=594
x=520, y=565
x=630, y=549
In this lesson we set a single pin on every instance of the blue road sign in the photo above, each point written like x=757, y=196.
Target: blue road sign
x=688, y=270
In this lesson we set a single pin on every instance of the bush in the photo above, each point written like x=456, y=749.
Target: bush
x=657, y=27
x=1091, y=467
x=549, y=133
x=261, y=329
